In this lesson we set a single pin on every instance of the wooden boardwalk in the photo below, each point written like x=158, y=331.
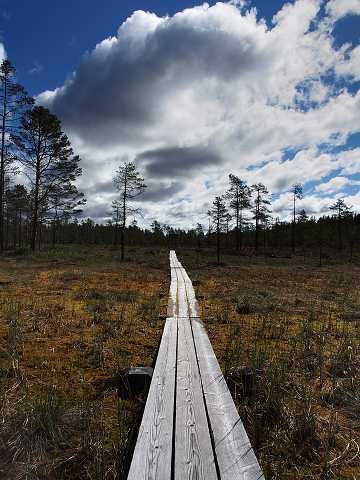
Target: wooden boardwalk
x=190, y=428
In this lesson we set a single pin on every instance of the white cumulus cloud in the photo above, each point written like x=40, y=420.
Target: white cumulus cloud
x=2, y=52
x=209, y=91
x=340, y=8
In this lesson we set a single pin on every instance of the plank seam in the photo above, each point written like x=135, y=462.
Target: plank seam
x=212, y=439
x=172, y=473
x=211, y=434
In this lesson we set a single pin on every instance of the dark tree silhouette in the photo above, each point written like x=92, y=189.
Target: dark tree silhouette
x=116, y=207
x=130, y=185
x=239, y=196
x=260, y=208
x=46, y=154
x=302, y=219
x=209, y=230
x=13, y=100
x=302, y=216
x=17, y=208
x=297, y=194
x=341, y=212
x=199, y=234
x=64, y=200
x=219, y=216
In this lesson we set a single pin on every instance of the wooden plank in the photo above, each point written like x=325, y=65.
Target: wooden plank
x=152, y=457
x=190, y=294
x=172, y=303
x=187, y=366
x=235, y=457
x=193, y=450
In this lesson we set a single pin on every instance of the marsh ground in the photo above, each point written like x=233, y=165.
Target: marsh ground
x=293, y=328
x=72, y=318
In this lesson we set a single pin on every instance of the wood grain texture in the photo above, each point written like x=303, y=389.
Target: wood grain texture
x=191, y=429
x=172, y=303
x=193, y=450
x=235, y=457
x=153, y=451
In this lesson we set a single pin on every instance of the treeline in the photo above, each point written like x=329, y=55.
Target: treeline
x=244, y=212
x=44, y=207
x=313, y=236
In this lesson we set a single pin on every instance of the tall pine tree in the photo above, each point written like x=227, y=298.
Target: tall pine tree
x=261, y=209
x=13, y=101
x=239, y=195
x=130, y=185
x=49, y=163
x=219, y=215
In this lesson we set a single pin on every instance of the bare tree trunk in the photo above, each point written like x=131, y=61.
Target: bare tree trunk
x=39, y=236
x=320, y=246
x=208, y=235
x=34, y=229
x=122, y=242
x=257, y=214
x=123, y=223
x=218, y=244
x=237, y=230
x=20, y=229
x=7, y=230
x=293, y=228
x=15, y=229
x=339, y=232
x=240, y=232
x=2, y=169
x=54, y=233
x=116, y=240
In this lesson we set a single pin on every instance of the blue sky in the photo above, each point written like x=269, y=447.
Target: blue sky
x=54, y=35
x=270, y=94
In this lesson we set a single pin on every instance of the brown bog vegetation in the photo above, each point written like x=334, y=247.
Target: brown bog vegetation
x=70, y=322
x=286, y=333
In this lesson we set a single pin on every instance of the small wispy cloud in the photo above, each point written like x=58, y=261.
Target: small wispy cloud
x=73, y=41
x=36, y=68
x=5, y=14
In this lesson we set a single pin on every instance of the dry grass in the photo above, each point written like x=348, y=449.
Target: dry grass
x=70, y=320
x=294, y=329
x=285, y=331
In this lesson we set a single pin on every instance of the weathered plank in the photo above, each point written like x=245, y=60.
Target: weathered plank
x=172, y=303
x=193, y=450
x=190, y=427
x=152, y=457
x=234, y=454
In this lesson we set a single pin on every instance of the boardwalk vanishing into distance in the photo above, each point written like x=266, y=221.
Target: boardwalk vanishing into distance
x=190, y=427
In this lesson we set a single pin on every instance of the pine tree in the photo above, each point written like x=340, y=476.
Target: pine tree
x=341, y=212
x=17, y=208
x=219, y=215
x=14, y=100
x=116, y=207
x=239, y=195
x=199, y=234
x=130, y=185
x=65, y=201
x=297, y=194
x=46, y=154
x=260, y=210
